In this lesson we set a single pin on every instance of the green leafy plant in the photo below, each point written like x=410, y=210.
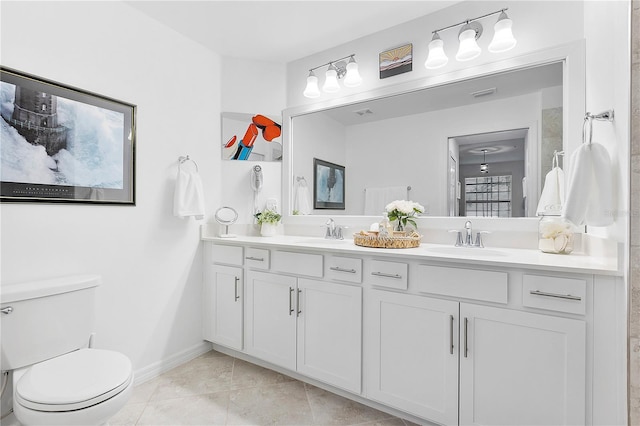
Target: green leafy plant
x=403, y=211
x=268, y=216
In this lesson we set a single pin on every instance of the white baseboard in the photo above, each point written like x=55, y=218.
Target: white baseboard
x=152, y=371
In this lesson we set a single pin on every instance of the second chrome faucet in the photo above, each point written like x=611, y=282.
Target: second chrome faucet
x=465, y=237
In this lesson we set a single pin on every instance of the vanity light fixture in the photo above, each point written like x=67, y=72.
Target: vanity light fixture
x=337, y=69
x=503, y=39
x=436, y=58
x=484, y=166
x=468, y=48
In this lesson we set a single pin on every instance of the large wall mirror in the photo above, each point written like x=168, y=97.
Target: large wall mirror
x=478, y=145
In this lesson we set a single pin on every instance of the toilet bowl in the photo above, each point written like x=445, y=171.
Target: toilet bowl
x=58, y=378
x=83, y=387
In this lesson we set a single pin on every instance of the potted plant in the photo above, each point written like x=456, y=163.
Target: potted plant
x=403, y=211
x=268, y=220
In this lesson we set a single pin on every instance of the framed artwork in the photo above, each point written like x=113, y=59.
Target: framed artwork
x=396, y=61
x=253, y=137
x=63, y=144
x=328, y=185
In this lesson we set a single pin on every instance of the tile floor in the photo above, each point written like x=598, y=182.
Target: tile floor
x=216, y=389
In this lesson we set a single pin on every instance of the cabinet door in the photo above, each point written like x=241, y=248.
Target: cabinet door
x=271, y=318
x=330, y=333
x=413, y=354
x=222, y=311
x=520, y=368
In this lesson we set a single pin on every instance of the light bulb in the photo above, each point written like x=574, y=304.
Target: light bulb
x=352, y=79
x=503, y=39
x=469, y=48
x=331, y=80
x=312, y=90
x=436, y=57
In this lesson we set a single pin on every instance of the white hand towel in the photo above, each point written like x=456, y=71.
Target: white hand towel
x=590, y=194
x=188, y=198
x=302, y=201
x=601, y=199
x=552, y=197
x=376, y=199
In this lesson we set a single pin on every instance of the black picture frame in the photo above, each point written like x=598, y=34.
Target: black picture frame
x=64, y=144
x=328, y=185
x=396, y=61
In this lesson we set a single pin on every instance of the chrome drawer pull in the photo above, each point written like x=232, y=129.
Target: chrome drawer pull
x=291, y=290
x=236, y=295
x=466, y=343
x=382, y=274
x=559, y=296
x=339, y=269
x=259, y=259
x=451, y=334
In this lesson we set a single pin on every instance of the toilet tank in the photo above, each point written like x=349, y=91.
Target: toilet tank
x=47, y=318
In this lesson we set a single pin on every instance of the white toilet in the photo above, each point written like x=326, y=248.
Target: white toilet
x=58, y=379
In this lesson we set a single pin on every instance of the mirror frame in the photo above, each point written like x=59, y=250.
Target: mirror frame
x=572, y=55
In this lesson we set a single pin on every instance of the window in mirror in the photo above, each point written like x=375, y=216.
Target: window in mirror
x=488, y=196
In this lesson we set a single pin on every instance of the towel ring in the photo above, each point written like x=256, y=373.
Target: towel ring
x=588, y=117
x=183, y=159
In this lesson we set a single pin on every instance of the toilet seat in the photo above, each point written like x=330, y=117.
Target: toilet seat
x=74, y=381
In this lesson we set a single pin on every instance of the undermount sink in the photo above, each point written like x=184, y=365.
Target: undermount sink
x=466, y=251
x=319, y=240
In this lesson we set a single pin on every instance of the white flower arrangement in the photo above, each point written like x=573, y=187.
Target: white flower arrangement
x=403, y=211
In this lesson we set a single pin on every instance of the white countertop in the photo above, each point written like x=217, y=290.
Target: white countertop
x=506, y=257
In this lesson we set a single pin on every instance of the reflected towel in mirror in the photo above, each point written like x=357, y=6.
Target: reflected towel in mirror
x=188, y=198
x=302, y=198
x=376, y=199
x=552, y=197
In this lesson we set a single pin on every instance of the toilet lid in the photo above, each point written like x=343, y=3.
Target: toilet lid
x=74, y=381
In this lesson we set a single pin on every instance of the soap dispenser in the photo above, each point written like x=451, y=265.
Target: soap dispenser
x=386, y=229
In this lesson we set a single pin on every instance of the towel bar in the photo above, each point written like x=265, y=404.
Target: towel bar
x=183, y=159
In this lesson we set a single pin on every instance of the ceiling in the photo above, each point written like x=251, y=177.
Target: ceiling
x=281, y=31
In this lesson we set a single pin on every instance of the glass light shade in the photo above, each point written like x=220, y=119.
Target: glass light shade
x=503, y=39
x=352, y=79
x=469, y=48
x=484, y=168
x=436, y=57
x=312, y=90
x=331, y=81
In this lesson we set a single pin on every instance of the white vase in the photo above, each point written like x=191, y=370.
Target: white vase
x=268, y=229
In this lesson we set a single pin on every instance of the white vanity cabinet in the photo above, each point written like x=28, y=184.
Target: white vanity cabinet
x=413, y=354
x=223, y=305
x=222, y=295
x=444, y=340
x=520, y=368
x=306, y=325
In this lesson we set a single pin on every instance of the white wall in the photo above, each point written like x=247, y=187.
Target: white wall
x=149, y=305
x=250, y=87
x=607, y=28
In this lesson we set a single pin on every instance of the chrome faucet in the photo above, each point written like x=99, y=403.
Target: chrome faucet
x=334, y=232
x=467, y=239
x=468, y=234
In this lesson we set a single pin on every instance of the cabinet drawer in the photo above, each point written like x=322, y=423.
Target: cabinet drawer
x=256, y=258
x=490, y=286
x=297, y=263
x=554, y=293
x=388, y=274
x=344, y=269
x=231, y=255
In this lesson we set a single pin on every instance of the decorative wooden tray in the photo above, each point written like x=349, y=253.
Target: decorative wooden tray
x=366, y=239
